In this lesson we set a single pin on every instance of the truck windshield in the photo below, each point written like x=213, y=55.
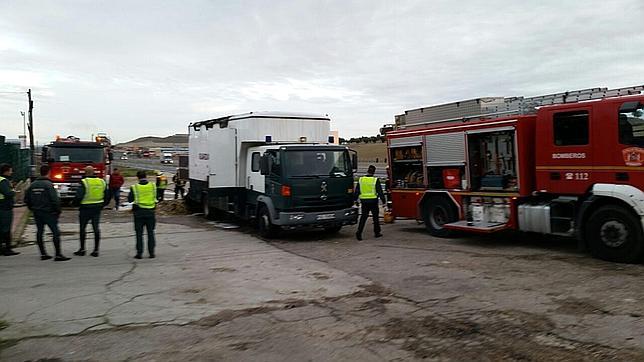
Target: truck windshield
x=631, y=124
x=315, y=163
x=70, y=154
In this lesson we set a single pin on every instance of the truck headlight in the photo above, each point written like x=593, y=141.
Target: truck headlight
x=297, y=217
x=351, y=211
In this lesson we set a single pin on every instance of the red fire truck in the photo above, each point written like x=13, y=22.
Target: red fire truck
x=68, y=158
x=569, y=164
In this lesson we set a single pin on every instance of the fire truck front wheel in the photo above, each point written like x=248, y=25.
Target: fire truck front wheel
x=438, y=211
x=615, y=234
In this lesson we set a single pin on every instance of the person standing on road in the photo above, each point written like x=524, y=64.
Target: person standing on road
x=179, y=186
x=144, y=197
x=116, y=181
x=42, y=199
x=368, y=191
x=92, y=196
x=162, y=184
x=6, y=209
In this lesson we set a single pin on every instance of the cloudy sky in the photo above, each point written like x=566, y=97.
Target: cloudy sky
x=133, y=68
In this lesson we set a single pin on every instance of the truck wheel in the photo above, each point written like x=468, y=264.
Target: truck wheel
x=438, y=212
x=266, y=228
x=615, y=234
x=206, y=209
x=333, y=229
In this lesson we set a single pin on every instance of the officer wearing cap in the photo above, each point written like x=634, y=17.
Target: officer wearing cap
x=6, y=209
x=369, y=191
x=143, y=195
x=42, y=199
x=92, y=196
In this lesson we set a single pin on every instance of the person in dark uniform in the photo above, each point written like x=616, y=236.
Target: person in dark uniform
x=179, y=186
x=6, y=209
x=92, y=196
x=144, y=197
x=369, y=190
x=42, y=199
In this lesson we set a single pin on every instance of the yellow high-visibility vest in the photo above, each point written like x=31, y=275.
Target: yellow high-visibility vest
x=145, y=196
x=368, y=188
x=94, y=191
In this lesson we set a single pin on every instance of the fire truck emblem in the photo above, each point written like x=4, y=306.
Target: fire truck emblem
x=633, y=156
x=323, y=190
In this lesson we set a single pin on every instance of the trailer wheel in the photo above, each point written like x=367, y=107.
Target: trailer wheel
x=615, y=234
x=266, y=228
x=206, y=209
x=438, y=212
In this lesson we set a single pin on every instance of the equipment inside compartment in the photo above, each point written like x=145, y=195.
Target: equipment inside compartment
x=493, y=161
x=407, y=169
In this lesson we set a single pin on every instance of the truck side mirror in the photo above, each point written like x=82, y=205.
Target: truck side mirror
x=44, y=155
x=265, y=164
x=354, y=160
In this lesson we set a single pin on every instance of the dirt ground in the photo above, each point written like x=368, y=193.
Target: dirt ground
x=227, y=295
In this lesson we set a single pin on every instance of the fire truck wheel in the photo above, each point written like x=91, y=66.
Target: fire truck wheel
x=614, y=234
x=266, y=228
x=438, y=212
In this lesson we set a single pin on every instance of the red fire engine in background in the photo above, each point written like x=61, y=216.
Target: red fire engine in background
x=569, y=164
x=68, y=158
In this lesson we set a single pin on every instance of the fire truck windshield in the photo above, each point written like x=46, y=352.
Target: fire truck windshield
x=631, y=124
x=307, y=163
x=70, y=154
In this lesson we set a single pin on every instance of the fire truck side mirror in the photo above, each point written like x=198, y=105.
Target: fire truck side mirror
x=44, y=155
x=265, y=164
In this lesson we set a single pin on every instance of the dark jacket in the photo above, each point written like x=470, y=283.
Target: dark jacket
x=80, y=194
x=42, y=197
x=137, y=210
x=379, y=192
x=7, y=191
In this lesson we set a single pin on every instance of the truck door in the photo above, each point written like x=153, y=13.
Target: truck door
x=255, y=181
x=565, y=150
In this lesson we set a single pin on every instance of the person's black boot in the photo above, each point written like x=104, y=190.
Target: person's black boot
x=137, y=256
x=358, y=236
x=80, y=252
x=45, y=257
x=9, y=252
x=61, y=258
x=378, y=235
x=94, y=253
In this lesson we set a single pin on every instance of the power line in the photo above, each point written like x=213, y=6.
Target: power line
x=7, y=92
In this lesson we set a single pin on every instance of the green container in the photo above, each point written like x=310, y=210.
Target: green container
x=18, y=159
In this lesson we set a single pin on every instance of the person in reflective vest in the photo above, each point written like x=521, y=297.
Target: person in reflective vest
x=92, y=196
x=162, y=184
x=143, y=195
x=6, y=209
x=369, y=190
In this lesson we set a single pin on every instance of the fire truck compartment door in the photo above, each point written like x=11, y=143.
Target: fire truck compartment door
x=446, y=149
x=406, y=141
x=564, y=148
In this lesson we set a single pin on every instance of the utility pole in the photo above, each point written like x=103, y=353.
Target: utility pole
x=31, y=136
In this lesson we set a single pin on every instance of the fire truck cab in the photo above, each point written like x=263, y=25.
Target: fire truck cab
x=68, y=157
x=569, y=164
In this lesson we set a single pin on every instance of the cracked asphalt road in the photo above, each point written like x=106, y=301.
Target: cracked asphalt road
x=227, y=295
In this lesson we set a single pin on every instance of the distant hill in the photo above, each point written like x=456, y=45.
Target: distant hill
x=152, y=141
